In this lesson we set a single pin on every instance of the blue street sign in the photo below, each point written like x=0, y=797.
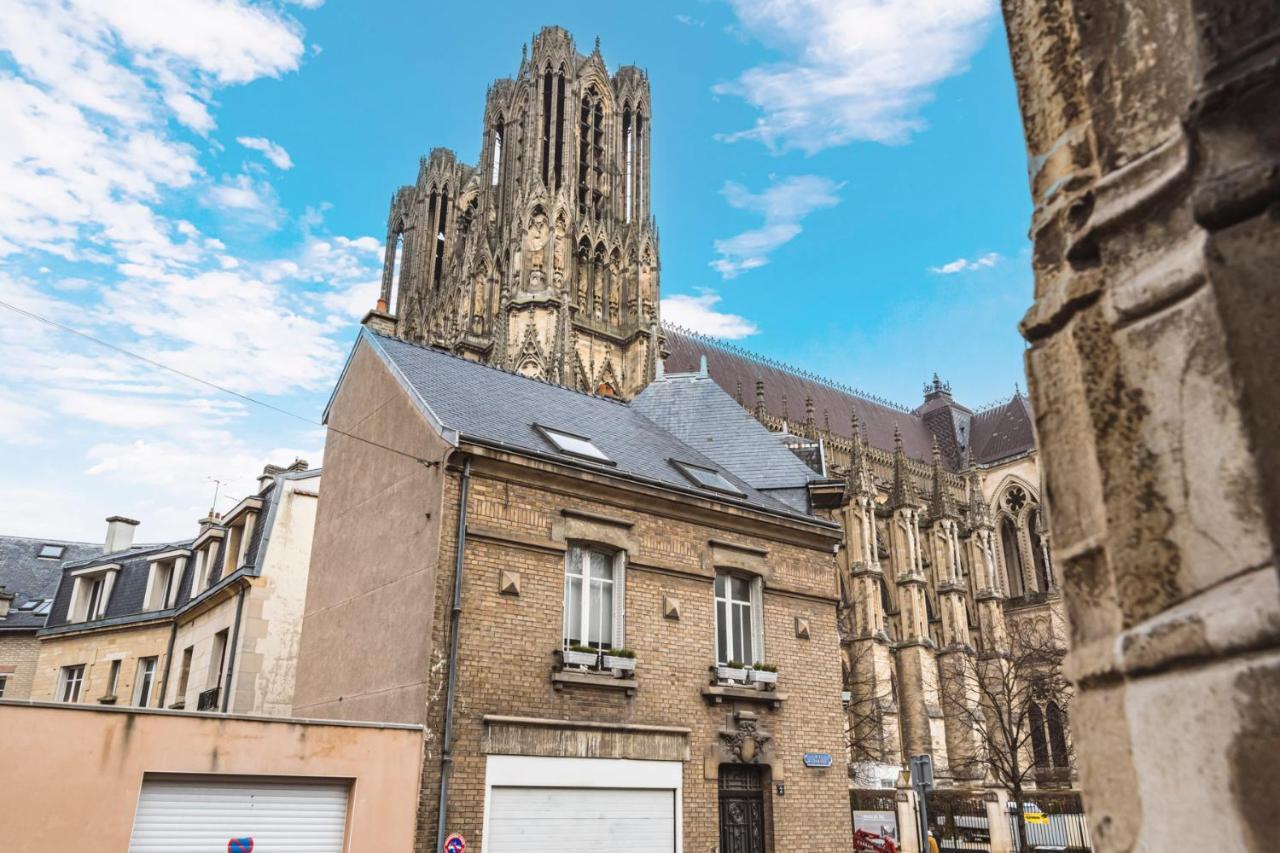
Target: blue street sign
x=240, y=845
x=455, y=844
x=817, y=759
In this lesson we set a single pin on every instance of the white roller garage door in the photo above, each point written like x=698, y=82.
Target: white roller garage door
x=581, y=820
x=199, y=816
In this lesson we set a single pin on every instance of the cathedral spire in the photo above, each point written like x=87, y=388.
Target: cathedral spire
x=902, y=493
x=940, y=505
x=760, y=408
x=859, y=479
x=979, y=511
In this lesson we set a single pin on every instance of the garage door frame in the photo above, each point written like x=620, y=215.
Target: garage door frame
x=526, y=771
x=247, y=780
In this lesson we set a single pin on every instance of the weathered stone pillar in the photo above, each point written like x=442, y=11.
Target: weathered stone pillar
x=1154, y=148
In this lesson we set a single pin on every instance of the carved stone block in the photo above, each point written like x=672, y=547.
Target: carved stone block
x=671, y=608
x=508, y=582
x=802, y=627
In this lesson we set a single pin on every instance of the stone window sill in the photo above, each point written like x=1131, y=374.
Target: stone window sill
x=719, y=693
x=561, y=679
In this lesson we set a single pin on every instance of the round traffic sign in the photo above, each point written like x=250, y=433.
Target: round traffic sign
x=455, y=844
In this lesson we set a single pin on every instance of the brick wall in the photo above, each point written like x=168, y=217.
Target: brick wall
x=506, y=647
x=18, y=654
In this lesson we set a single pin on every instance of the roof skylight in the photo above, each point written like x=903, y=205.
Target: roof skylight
x=51, y=552
x=574, y=445
x=707, y=478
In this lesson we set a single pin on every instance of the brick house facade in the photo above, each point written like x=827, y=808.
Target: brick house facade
x=411, y=431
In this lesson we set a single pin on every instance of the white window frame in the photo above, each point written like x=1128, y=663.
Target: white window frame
x=148, y=667
x=4, y=681
x=238, y=536
x=755, y=605
x=113, y=676
x=65, y=682
x=174, y=563
x=81, y=589
x=617, y=558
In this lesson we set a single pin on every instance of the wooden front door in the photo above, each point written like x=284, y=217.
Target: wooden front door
x=741, y=809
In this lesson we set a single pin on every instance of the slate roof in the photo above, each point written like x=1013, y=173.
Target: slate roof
x=129, y=590
x=730, y=366
x=28, y=577
x=994, y=434
x=700, y=413
x=1003, y=432
x=494, y=407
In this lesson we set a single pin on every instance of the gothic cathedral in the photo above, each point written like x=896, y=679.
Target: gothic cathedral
x=543, y=258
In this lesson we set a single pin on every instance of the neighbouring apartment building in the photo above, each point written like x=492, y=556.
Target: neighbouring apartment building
x=208, y=624
x=612, y=636
x=542, y=260
x=29, y=573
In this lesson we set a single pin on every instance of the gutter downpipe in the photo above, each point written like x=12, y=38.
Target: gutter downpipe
x=168, y=662
x=446, y=744
x=231, y=653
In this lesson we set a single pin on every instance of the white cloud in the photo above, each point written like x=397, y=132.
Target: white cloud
x=103, y=159
x=990, y=259
x=698, y=314
x=852, y=69
x=783, y=204
x=273, y=152
x=690, y=21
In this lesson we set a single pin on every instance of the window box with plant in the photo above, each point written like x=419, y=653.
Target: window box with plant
x=764, y=673
x=621, y=661
x=581, y=657
x=733, y=671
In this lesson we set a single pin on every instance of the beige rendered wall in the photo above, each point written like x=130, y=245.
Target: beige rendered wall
x=96, y=650
x=82, y=793
x=18, y=655
x=366, y=632
x=272, y=621
x=198, y=633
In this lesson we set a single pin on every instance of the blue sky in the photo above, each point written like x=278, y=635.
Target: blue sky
x=839, y=185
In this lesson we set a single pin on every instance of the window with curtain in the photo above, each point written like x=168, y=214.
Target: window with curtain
x=592, y=592
x=738, y=632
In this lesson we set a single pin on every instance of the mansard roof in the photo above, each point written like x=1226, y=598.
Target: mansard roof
x=32, y=579
x=497, y=408
x=1003, y=431
x=995, y=434
x=699, y=412
x=126, y=604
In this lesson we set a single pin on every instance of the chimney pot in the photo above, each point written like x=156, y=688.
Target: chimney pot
x=119, y=534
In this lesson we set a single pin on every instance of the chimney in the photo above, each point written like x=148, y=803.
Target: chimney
x=268, y=476
x=119, y=534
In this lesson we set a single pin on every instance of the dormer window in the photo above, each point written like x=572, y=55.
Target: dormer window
x=163, y=580
x=707, y=478
x=204, y=551
x=573, y=445
x=90, y=592
x=239, y=532
x=51, y=552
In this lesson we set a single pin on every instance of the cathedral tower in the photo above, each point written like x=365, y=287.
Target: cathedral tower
x=543, y=258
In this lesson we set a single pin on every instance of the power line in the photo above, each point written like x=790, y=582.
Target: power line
x=200, y=380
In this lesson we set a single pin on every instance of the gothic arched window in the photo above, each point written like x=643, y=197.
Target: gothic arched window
x=442, y=223
x=397, y=270
x=1038, y=557
x=628, y=153
x=1039, y=744
x=1056, y=723
x=496, y=171
x=1012, y=557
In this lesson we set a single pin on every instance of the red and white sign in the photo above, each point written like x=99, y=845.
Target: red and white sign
x=455, y=844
